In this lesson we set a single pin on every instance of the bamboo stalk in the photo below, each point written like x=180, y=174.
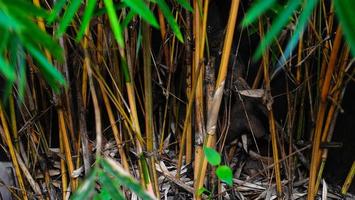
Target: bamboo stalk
x=320, y=116
x=349, y=179
x=272, y=126
x=217, y=98
x=148, y=94
x=13, y=157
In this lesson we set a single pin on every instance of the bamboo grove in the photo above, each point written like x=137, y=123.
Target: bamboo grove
x=143, y=96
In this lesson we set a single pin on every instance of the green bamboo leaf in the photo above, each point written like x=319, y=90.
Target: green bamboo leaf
x=58, y=6
x=25, y=6
x=8, y=23
x=31, y=33
x=185, y=4
x=86, y=188
x=51, y=72
x=212, y=156
x=17, y=59
x=276, y=27
x=140, y=7
x=5, y=36
x=68, y=16
x=224, y=173
x=256, y=11
x=301, y=24
x=88, y=14
x=170, y=18
x=116, y=28
x=111, y=188
x=126, y=180
x=104, y=194
x=7, y=70
x=344, y=9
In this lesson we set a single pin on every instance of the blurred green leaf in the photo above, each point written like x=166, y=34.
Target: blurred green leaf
x=31, y=33
x=344, y=9
x=225, y=174
x=301, y=24
x=88, y=14
x=5, y=36
x=256, y=11
x=7, y=70
x=51, y=73
x=126, y=180
x=86, y=188
x=185, y=4
x=212, y=156
x=115, y=26
x=170, y=18
x=68, y=16
x=276, y=27
x=104, y=194
x=8, y=23
x=111, y=188
x=29, y=8
x=140, y=7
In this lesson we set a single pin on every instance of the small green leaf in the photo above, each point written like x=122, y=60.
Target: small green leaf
x=212, y=156
x=225, y=174
x=116, y=28
x=140, y=7
x=185, y=4
x=256, y=11
x=68, y=16
x=276, y=27
x=170, y=19
x=88, y=13
x=202, y=190
x=344, y=9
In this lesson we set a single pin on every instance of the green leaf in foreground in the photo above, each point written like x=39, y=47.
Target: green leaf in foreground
x=256, y=11
x=140, y=7
x=276, y=27
x=126, y=180
x=68, y=16
x=212, y=156
x=225, y=174
x=86, y=188
x=344, y=9
x=88, y=13
x=116, y=28
x=7, y=70
x=185, y=4
x=170, y=18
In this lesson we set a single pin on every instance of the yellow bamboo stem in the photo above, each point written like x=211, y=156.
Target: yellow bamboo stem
x=213, y=113
x=12, y=153
x=320, y=117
